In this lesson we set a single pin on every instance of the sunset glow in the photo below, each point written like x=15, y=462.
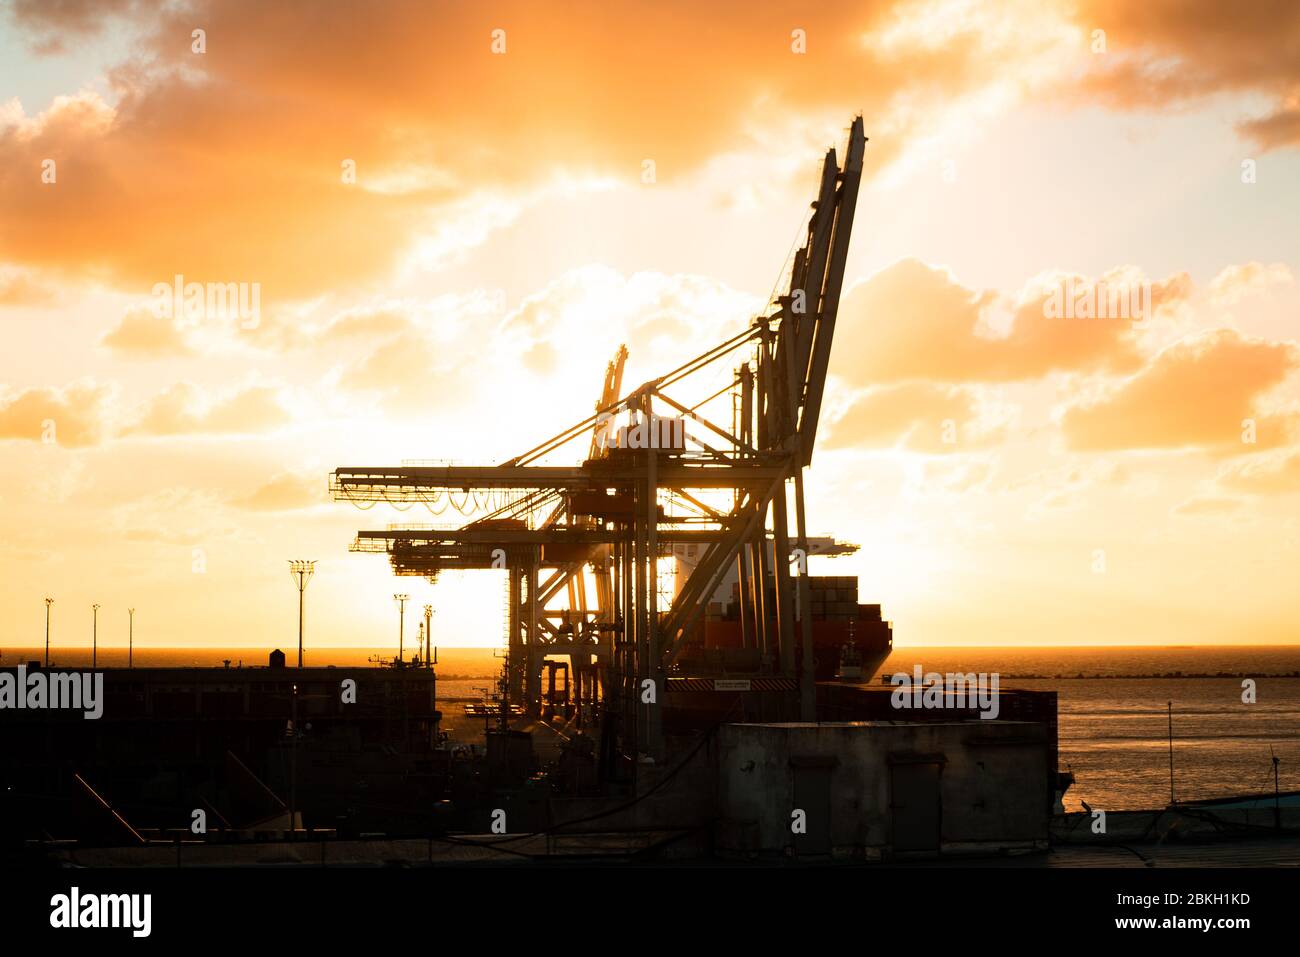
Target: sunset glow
x=448, y=240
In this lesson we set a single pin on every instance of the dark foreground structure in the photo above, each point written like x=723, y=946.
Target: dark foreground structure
x=213, y=763
x=251, y=749
x=349, y=766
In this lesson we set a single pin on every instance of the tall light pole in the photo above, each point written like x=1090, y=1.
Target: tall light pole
x=301, y=571
x=293, y=764
x=48, y=603
x=94, y=637
x=130, y=638
x=401, y=621
x=428, y=636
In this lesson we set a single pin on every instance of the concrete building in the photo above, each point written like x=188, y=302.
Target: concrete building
x=883, y=789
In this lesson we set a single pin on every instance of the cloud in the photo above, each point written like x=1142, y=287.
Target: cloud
x=918, y=416
x=401, y=363
x=177, y=516
x=1276, y=473
x=956, y=477
x=1238, y=281
x=1174, y=51
x=1208, y=505
x=285, y=492
x=475, y=351
x=410, y=369
x=71, y=416
x=667, y=316
x=916, y=321
x=162, y=183
x=182, y=410
x=361, y=324
x=1277, y=129
x=217, y=165
x=77, y=17
x=1195, y=394
x=18, y=287
x=143, y=334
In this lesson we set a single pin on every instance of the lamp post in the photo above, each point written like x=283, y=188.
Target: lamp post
x=293, y=764
x=94, y=637
x=130, y=639
x=48, y=603
x=401, y=621
x=301, y=571
x=428, y=636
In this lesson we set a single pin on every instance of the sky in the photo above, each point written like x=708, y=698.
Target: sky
x=453, y=214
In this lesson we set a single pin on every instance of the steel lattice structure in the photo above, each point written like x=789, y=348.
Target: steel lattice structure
x=725, y=487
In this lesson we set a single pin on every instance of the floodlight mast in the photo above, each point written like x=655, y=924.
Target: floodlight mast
x=428, y=636
x=48, y=603
x=401, y=622
x=301, y=572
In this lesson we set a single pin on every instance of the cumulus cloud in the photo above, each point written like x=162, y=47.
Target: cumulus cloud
x=1198, y=393
x=52, y=22
x=668, y=316
x=411, y=373
x=18, y=287
x=284, y=493
x=219, y=167
x=184, y=410
x=413, y=362
x=919, y=416
x=1237, y=281
x=916, y=321
x=189, y=152
x=1175, y=51
x=143, y=334
x=73, y=416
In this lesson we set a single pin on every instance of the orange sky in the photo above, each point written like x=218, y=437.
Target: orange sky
x=1012, y=476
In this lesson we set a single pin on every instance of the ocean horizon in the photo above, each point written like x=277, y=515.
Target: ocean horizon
x=1113, y=705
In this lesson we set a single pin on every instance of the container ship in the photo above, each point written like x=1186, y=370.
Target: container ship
x=841, y=625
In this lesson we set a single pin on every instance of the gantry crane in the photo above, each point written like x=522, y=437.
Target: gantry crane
x=660, y=470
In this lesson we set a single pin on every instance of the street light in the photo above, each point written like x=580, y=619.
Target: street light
x=94, y=637
x=428, y=636
x=130, y=638
x=301, y=571
x=48, y=603
x=293, y=764
x=401, y=617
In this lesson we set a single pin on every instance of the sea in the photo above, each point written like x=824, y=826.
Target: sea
x=1113, y=715
x=1114, y=706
